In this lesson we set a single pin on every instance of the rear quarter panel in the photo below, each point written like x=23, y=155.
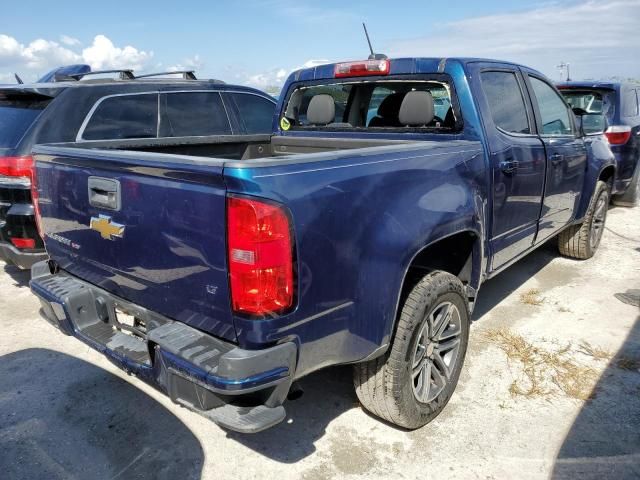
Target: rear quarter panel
x=359, y=218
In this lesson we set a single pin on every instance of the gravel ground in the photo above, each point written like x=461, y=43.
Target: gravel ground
x=550, y=388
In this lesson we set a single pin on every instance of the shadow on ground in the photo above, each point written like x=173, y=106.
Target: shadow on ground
x=498, y=288
x=19, y=277
x=604, y=440
x=87, y=424
x=327, y=395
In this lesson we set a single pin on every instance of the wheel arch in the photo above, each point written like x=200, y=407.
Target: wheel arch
x=606, y=173
x=465, y=262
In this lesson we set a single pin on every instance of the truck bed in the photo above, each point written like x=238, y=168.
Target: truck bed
x=231, y=147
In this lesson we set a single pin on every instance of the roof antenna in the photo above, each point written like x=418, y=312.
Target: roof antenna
x=18, y=79
x=372, y=56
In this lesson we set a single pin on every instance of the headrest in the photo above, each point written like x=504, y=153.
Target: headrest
x=417, y=109
x=321, y=110
x=390, y=106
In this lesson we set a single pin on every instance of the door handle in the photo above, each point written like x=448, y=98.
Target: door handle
x=104, y=193
x=509, y=166
x=556, y=159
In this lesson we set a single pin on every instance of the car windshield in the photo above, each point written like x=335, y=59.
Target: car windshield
x=16, y=116
x=590, y=101
x=371, y=105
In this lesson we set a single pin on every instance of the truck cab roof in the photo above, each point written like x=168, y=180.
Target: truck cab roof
x=398, y=66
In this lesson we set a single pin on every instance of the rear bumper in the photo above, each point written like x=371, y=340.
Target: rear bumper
x=23, y=260
x=242, y=390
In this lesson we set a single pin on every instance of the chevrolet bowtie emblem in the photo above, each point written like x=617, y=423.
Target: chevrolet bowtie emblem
x=106, y=227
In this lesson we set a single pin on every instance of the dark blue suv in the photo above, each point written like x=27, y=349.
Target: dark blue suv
x=72, y=104
x=620, y=102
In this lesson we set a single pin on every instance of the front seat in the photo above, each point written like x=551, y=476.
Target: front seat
x=449, y=119
x=321, y=110
x=417, y=109
x=388, y=111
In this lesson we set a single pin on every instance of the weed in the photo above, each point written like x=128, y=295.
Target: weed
x=546, y=372
x=595, y=352
x=531, y=297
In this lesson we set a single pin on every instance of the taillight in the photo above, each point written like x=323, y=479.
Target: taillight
x=34, y=199
x=16, y=167
x=618, y=134
x=362, y=68
x=23, y=242
x=260, y=252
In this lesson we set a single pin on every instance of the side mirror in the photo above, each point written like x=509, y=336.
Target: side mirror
x=591, y=123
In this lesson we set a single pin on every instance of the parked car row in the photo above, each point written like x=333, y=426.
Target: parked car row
x=220, y=247
x=73, y=105
x=620, y=103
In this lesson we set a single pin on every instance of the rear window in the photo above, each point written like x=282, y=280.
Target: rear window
x=16, y=116
x=370, y=105
x=193, y=114
x=591, y=101
x=124, y=116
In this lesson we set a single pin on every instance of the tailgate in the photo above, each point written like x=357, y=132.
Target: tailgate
x=146, y=227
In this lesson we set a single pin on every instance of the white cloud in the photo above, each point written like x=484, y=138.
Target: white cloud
x=103, y=54
x=598, y=39
x=41, y=55
x=69, y=41
x=275, y=77
x=191, y=63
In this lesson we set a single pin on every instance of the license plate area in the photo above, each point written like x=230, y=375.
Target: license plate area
x=128, y=322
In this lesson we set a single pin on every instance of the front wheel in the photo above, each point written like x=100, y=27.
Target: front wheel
x=581, y=241
x=411, y=384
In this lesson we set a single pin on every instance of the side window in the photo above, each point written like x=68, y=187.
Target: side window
x=124, y=116
x=505, y=101
x=187, y=114
x=629, y=103
x=255, y=112
x=553, y=109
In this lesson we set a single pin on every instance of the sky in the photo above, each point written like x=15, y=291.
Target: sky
x=259, y=42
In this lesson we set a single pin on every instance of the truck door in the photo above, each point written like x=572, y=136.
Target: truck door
x=566, y=156
x=517, y=159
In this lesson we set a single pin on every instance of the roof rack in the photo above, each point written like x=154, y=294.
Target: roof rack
x=186, y=74
x=124, y=75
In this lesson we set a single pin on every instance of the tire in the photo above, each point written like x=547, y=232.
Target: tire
x=581, y=241
x=388, y=386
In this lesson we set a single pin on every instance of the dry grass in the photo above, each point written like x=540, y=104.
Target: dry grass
x=545, y=372
x=594, y=351
x=628, y=363
x=531, y=297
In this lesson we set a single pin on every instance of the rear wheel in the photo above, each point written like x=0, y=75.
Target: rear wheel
x=412, y=383
x=581, y=241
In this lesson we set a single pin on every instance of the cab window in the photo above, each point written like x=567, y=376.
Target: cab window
x=372, y=105
x=506, y=102
x=554, y=112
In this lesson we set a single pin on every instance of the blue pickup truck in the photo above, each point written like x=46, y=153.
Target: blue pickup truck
x=221, y=269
